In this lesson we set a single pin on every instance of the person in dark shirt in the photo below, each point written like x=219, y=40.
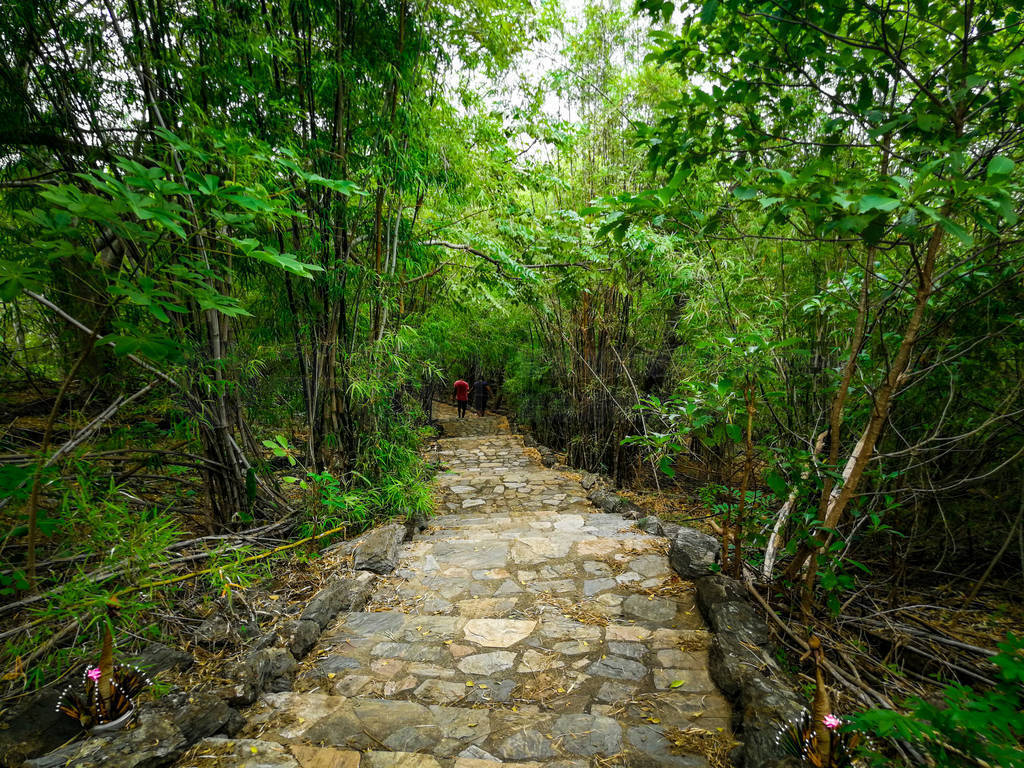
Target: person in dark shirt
x=481, y=391
x=462, y=397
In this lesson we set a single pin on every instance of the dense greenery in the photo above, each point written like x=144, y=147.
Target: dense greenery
x=765, y=256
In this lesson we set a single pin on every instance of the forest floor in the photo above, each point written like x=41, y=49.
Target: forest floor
x=524, y=627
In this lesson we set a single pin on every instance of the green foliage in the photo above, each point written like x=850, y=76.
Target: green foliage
x=967, y=726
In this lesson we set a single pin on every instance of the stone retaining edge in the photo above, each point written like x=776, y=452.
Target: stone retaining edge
x=741, y=660
x=168, y=728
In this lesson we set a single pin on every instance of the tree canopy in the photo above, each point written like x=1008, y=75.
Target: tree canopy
x=765, y=257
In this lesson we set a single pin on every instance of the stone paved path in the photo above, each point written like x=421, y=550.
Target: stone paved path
x=524, y=628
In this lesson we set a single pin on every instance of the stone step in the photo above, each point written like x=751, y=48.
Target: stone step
x=522, y=735
x=256, y=753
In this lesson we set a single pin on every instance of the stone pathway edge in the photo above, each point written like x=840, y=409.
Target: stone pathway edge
x=741, y=656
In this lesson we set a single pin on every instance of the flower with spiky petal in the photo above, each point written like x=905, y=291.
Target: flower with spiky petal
x=831, y=722
x=94, y=674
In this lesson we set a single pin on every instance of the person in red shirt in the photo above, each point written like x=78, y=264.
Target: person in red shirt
x=462, y=397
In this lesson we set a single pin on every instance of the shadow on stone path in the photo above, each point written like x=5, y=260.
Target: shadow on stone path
x=524, y=627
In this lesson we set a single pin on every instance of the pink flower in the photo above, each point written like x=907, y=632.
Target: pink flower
x=831, y=722
x=94, y=674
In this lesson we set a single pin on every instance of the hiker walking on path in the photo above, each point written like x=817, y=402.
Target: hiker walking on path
x=462, y=397
x=481, y=391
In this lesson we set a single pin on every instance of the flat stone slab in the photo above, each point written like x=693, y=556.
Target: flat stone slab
x=497, y=633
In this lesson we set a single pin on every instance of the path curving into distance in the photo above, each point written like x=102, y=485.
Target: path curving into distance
x=524, y=628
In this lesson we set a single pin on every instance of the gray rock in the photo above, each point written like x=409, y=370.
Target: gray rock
x=527, y=744
x=588, y=481
x=693, y=553
x=731, y=663
x=587, y=735
x=155, y=741
x=342, y=593
x=302, y=636
x=670, y=530
x=604, y=500
x=408, y=651
x=374, y=623
x=475, y=753
x=216, y=632
x=611, y=692
x=594, y=586
x=204, y=714
x=377, y=550
x=628, y=650
x=336, y=664
x=487, y=663
x=726, y=609
x=619, y=668
x=157, y=657
x=256, y=672
x=411, y=738
x=493, y=692
x=441, y=692
x=657, y=610
x=765, y=704
x=629, y=510
x=32, y=727
x=651, y=524
x=415, y=523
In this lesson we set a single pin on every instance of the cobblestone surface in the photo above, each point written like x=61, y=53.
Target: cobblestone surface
x=523, y=628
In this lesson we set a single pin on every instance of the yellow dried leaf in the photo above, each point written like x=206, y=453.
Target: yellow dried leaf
x=469, y=683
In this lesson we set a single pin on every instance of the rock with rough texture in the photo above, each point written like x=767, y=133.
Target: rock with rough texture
x=589, y=481
x=658, y=609
x=693, y=553
x=497, y=633
x=628, y=510
x=587, y=735
x=765, y=705
x=414, y=524
x=342, y=593
x=526, y=744
x=157, y=657
x=618, y=668
x=724, y=605
x=604, y=500
x=302, y=636
x=154, y=742
x=258, y=672
x=33, y=727
x=487, y=663
x=216, y=632
x=377, y=550
x=651, y=524
x=200, y=715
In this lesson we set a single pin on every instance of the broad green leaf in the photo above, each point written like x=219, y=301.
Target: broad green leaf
x=877, y=203
x=999, y=167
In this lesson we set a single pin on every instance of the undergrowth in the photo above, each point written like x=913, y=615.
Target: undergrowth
x=120, y=546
